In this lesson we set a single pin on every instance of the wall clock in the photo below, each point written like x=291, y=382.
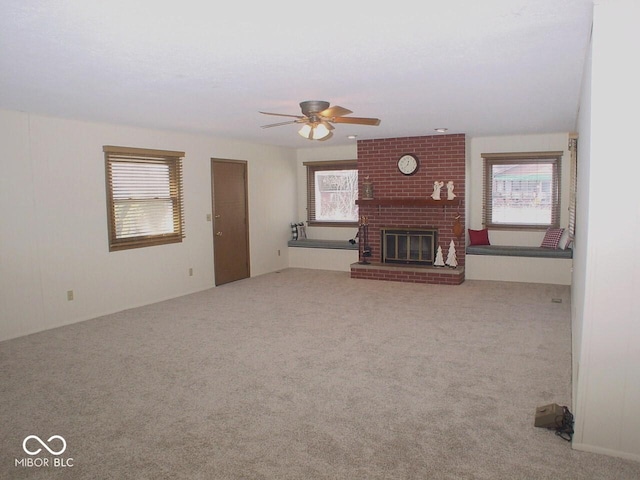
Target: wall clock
x=408, y=164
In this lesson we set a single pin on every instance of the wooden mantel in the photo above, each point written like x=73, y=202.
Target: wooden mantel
x=407, y=202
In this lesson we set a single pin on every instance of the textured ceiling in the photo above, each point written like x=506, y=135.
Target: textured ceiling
x=488, y=67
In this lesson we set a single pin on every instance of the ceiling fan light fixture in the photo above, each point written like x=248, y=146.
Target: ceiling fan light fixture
x=305, y=131
x=320, y=131
x=314, y=132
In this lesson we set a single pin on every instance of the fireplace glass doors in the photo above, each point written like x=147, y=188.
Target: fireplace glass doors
x=413, y=246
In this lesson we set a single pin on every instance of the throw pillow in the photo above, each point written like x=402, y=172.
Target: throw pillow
x=565, y=240
x=552, y=238
x=479, y=237
x=298, y=231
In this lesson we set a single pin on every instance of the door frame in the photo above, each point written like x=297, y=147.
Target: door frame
x=245, y=164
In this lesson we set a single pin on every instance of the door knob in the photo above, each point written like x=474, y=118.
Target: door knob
x=216, y=216
x=218, y=234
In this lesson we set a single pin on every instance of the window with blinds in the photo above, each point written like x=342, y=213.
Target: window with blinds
x=573, y=186
x=332, y=191
x=521, y=190
x=144, y=197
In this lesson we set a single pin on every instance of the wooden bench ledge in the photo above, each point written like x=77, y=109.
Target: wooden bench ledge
x=330, y=244
x=516, y=251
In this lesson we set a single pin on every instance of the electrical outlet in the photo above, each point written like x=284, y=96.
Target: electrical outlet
x=69, y=295
x=191, y=272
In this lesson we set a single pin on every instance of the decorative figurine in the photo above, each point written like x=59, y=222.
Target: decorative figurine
x=436, y=190
x=458, y=229
x=439, y=260
x=450, y=194
x=452, y=261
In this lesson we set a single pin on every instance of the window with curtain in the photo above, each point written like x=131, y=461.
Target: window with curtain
x=332, y=191
x=144, y=197
x=521, y=190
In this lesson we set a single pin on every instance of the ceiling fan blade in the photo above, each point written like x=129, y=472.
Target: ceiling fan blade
x=335, y=111
x=279, y=124
x=357, y=120
x=282, y=115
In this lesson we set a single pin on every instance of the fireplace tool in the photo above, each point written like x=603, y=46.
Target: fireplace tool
x=363, y=233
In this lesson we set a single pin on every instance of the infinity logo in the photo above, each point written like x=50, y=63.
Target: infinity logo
x=52, y=452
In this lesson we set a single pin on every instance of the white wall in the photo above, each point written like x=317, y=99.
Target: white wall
x=322, y=258
x=581, y=240
x=53, y=223
x=607, y=405
x=553, y=271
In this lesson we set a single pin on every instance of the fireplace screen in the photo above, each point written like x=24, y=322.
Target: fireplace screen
x=409, y=246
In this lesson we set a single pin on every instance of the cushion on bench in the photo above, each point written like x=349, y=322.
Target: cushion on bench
x=514, y=251
x=316, y=243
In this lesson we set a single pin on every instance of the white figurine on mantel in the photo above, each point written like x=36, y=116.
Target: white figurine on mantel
x=450, y=194
x=436, y=190
x=439, y=260
x=452, y=261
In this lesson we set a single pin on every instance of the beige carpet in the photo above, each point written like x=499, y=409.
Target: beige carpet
x=303, y=374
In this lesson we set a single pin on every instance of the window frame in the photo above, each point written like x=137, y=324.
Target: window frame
x=144, y=156
x=521, y=158
x=312, y=168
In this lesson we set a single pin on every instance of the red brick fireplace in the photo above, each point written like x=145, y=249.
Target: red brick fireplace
x=404, y=202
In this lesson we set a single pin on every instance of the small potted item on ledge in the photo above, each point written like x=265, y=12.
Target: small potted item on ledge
x=367, y=189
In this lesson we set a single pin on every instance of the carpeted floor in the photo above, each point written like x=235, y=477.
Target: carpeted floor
x=302, y=374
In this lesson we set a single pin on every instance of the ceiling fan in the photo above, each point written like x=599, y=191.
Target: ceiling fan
x=317, y=118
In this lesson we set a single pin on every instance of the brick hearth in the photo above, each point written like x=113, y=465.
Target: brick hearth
x=406, y=273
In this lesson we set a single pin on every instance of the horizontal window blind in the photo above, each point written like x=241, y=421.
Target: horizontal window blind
x=573, y=185
x=144, y=197
x=521, y=190
x=312, y=189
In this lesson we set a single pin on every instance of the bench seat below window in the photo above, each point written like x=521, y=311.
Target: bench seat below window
x=322, y=254
x=330, y=244
x=518, y=264
x=517, y=251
